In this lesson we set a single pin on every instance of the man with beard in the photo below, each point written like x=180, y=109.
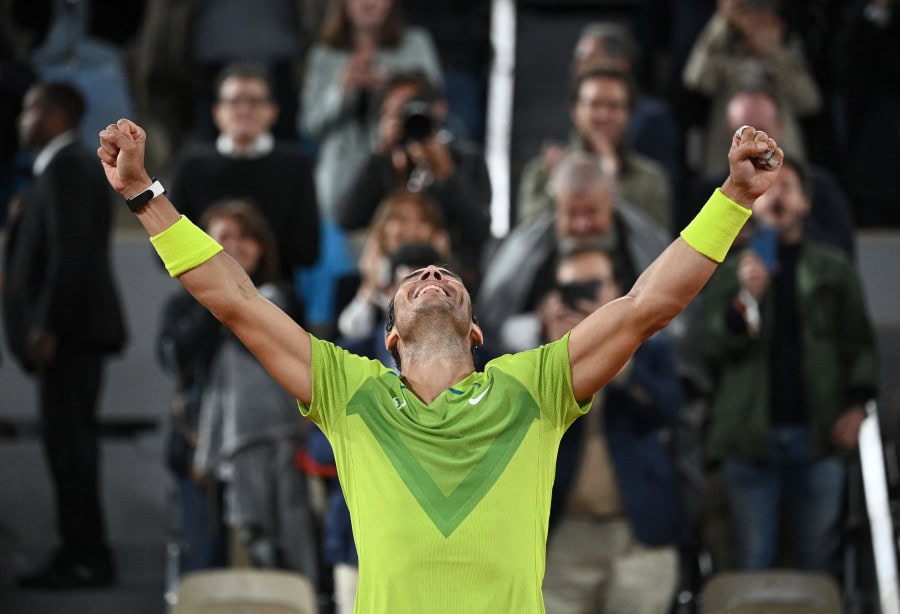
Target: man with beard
x=447, y=470
x=587, y=212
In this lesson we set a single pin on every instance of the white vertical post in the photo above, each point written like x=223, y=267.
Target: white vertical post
x=881, y=524
x=498, y=131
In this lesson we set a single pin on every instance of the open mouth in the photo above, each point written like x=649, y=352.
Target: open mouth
x=430, y=288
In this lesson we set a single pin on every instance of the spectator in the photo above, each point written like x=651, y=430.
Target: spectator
x=746, y=45
x=403, y=217
x=363, y=42
x=189, y=337
x=652, y=128
x=615, y=481
x=586, y=212
x=601, y=103
x=417, y=153
x=63, y=318
x=226, y=32
x=795, y=360
x=868, y=63
x=830, y=219
x=247, y=163
x=250, y=429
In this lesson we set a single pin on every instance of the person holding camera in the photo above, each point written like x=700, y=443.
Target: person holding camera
x=417, y=152
x=616, y=482
x=586, y=211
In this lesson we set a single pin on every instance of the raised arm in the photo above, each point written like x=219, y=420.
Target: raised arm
x=601, y=344
x=219, y=283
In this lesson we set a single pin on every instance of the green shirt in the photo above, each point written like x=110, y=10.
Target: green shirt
x=449, y=500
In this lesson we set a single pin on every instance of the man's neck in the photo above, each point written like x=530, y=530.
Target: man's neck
x=428, y=370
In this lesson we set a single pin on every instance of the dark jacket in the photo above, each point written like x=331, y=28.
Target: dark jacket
x=57, y=273
x=637, y=427
x=188, y=339
x=837, y=345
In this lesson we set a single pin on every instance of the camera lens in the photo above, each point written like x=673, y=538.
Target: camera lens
x=418, y=121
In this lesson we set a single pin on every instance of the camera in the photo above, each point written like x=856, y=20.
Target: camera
x=419, y=121
x=573, y=293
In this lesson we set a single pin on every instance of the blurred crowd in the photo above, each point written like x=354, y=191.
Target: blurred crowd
x=332, y=146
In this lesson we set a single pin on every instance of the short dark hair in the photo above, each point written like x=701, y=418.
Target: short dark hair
x=618, y=266
x=65, y=97
x=602, y=73
x=245, y=70
x=414, y=255
x=428, y=90
x=802, y=172
x=618, y=40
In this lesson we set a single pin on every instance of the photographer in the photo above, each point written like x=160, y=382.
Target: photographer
x=615, y=481
x=418, y=153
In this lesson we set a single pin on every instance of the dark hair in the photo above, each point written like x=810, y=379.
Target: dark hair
x=415, y=255
x=389, y=324
x=602, y=73
x=248, y=71
x=617, y=40
x=251, y=221
x=802, y=172
x=337, y=29
x=427, y=90
x=65, y=97
x=618, y=266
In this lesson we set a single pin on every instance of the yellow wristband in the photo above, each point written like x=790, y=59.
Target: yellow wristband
x=716, y=226
x=182, y=246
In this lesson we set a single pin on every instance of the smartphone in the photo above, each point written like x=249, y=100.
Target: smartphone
x=764, y=241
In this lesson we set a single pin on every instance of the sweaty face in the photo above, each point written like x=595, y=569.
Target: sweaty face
x=584, y=218
x=246, y=250
x=784, y=206
x=244, y=110
x=432, y=292
x=601, y=108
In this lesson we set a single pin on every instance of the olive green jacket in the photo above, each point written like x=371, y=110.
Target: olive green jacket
x=837, y=345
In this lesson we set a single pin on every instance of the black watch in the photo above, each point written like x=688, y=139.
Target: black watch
x=155, y=189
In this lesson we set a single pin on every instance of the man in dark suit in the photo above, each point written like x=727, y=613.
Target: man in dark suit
x=63, y=318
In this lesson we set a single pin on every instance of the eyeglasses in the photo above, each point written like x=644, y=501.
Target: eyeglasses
x=250, y=101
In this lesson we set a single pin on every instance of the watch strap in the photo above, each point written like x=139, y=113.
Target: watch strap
x=155, y=189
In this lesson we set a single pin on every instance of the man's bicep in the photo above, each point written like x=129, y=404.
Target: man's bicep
x=600, y=345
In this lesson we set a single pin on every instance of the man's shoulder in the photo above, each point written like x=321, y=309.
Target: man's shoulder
x=75, y=159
